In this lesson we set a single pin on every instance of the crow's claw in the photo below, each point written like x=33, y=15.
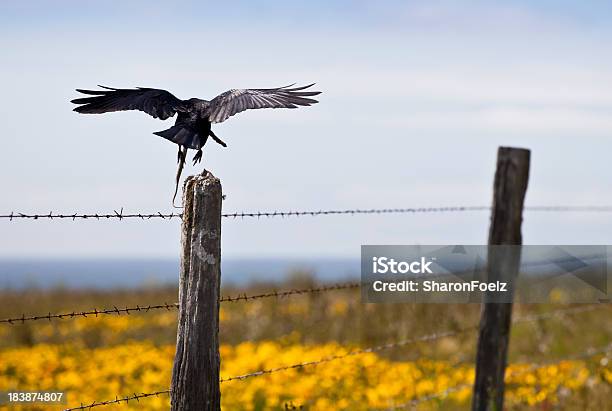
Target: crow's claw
x=217, y=139
x=197, y=158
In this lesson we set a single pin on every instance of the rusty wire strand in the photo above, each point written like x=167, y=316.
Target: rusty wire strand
x=146, y=308
x=87, y=314
x=146, y=216
x=424, y=338
x=287, y=293
x=13, y=215
x=93, y=216
x=118, y=400
x=357, y=211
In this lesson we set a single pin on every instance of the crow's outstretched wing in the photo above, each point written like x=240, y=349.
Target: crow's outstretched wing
x=157, y=103
x=235, y=101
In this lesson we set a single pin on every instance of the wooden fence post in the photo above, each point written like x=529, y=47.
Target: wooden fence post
x=195, y=374
x=510, y=185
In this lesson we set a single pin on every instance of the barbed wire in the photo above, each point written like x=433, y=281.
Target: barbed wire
x=589, y=353
x=146, y=308
x=587, y=208
x=235, y=298
x=287, y=293
x=118, y=400
x=423, y=338
x=146, y=216
x=92, y=216
x=87, y=314
x=120, y=215
x=357, y=211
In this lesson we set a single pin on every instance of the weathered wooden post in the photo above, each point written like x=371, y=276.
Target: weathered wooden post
x=195, y=374
x=510, y=185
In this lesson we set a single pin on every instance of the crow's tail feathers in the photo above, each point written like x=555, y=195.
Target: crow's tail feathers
x=183, y=136
x=186, y=138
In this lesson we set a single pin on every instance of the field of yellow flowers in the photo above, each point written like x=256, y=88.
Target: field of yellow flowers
x=108, y=356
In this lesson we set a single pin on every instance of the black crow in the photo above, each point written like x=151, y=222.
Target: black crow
x=195, y=116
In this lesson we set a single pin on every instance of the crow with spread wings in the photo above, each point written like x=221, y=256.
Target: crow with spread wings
x=195, y=116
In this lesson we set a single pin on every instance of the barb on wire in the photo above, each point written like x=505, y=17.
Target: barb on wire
x=423, y=338
x=146, y=308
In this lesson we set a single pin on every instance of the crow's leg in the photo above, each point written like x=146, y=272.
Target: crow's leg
x=180, y=155
x=217, y=139
x=198, y=157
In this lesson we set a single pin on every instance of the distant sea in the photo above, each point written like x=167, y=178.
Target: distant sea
x=132, y=273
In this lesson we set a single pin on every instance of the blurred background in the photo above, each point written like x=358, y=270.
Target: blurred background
x=416, y=98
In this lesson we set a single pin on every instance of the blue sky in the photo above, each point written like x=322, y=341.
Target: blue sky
x=416, y=98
